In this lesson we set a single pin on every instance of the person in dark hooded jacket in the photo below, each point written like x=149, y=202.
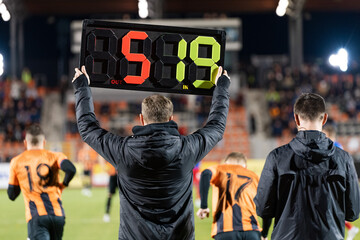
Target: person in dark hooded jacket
x=155, y=164
x=309, y=186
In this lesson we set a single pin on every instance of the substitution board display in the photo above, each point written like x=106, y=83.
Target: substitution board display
x=151, y=57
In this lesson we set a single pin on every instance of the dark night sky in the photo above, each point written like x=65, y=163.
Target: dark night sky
x=266, y=33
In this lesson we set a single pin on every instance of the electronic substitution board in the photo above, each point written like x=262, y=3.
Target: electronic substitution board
x=151, y=57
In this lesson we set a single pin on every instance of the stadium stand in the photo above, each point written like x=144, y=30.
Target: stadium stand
x=21, y=104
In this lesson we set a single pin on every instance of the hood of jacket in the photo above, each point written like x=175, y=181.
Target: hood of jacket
x=313, y=146
x=155, y=145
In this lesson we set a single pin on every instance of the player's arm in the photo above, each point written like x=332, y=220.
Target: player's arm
x=266, y=223
x=13, y=190
x=208, y=136
x=265, y=199
x=102, y=141
x=352, y=197
x=69, y=169
x=204, y=184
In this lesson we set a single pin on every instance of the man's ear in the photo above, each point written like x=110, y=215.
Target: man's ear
x=297, y=119
x=171, y=118
x=325, y=119
x=142, y=119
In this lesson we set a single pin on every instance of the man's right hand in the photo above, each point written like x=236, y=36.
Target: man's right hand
x=203, y=213
x=78, y=73
x=219, y=73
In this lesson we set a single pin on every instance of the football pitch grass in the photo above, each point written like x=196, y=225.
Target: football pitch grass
x=83, y=217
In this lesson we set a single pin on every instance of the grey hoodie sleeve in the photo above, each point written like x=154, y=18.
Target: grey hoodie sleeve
x=265, y=199
x=352, y=197
x=102, y=141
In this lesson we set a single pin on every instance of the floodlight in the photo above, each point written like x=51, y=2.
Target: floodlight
x=143, y=8
x=280, y=11
x=340, y=59
x=2, y=8
x=1, y=64
x=6, y=16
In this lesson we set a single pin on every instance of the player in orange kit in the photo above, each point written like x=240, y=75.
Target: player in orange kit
x=88, y=157
x=112, y=188
x=35, y=173
x=234, y=188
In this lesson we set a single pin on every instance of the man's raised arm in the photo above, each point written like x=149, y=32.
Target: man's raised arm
x=208, y=136
x=102, y=141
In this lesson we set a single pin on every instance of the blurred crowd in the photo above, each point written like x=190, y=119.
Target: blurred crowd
x=21, y=104
x=341, y=91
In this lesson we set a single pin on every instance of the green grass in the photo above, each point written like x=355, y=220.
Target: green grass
x=83, y=217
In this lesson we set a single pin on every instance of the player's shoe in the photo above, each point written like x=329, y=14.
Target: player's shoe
x=106, y=218
x=352, y=232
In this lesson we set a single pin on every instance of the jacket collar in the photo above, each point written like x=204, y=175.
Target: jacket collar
x=171, y=127
x=312, y=145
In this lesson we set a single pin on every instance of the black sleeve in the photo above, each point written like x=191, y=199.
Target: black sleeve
x=103, y=142
x=13, y=191
x=204, y=139
x=69, y=170
x=266, y=197
x=265, y=226
x=204, y=187
x=352, y=195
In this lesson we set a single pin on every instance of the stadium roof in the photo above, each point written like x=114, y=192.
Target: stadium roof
x=73, y=7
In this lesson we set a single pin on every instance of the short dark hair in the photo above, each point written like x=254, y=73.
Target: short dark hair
x=238, y=156
x=35, y=132
x=157, y=109
x=310, y=106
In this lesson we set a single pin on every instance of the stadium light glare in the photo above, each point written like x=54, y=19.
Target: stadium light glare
x=340, y=59
x=143, y=8
x=283, y=3
x=333, y=60
x=6, y=16
x=2, y=8
x=280, y=11
x=1, y=64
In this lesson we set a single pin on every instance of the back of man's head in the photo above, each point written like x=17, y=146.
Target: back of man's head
x=310, y=107
x=236, y=158
x=34, y=136
x=156, y=109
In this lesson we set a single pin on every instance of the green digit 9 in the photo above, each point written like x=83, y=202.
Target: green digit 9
x=204, y=62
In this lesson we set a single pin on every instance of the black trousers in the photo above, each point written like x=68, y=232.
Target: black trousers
x=46, y=228
x=237, y=235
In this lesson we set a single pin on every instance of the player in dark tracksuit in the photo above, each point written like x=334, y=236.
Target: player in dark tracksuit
x=154, y=165
x=309, y=186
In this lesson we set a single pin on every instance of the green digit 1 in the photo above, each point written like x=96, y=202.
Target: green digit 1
x=204, y=62
x=176, y=72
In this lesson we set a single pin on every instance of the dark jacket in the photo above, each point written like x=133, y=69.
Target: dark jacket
x=154, y=166
x=310, y=187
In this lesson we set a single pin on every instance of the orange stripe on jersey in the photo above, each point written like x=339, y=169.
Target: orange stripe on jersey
x=37, y=174
x=234, y=189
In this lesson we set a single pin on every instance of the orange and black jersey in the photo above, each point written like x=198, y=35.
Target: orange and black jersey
x=36, y=172
x=234, y=189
